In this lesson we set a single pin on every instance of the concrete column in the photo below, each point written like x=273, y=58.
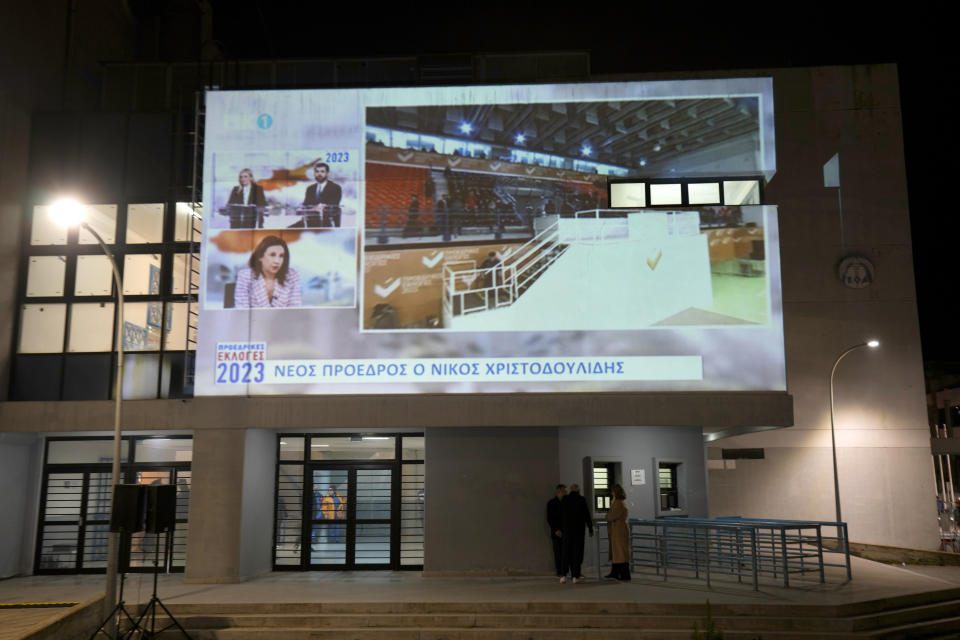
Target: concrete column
x=231, y=505
x=20, y=455
x=259, y=490
x=216, y=497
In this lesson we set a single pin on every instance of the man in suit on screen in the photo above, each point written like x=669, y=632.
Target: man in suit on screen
x=324, y=194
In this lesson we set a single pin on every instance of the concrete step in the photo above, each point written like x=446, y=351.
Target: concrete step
x=508, y=621
x=586, y=608
x=911, y=616
x=942, y=628
x=905, y=616
x=333, y=633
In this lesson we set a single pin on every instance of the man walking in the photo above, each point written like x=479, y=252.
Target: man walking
x=574, y=517
x=555, y=521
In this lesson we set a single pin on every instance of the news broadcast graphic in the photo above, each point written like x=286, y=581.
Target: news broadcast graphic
x=460, y=240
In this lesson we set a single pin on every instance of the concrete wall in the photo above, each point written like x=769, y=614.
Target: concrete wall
x=721, y=410
x=44, y=68
x=14, y=145
x=486, y=495
x=487, y=489
x=639, y=448
x=885, y=467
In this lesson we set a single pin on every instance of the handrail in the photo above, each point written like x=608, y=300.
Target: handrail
x=743, y=547
x=507, y=278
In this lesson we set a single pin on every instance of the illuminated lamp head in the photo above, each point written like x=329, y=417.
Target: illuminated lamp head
x=260, y=256
x=67, y=212
x=466, y=128
x=873, y=344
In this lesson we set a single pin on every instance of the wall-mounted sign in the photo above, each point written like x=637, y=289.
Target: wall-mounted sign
x=855, y=272
x=638, y=477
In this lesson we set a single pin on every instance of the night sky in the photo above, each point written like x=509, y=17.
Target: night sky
x=648, y=40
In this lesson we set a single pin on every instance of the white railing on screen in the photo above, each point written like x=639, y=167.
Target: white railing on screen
x=500, y=285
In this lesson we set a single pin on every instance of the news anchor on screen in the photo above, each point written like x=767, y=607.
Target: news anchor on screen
x=268, y=281
x=246, y=203
x=324, y=194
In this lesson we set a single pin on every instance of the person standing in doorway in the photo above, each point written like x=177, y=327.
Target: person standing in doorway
x=329, y=507
x=555, y=522
x=575, y=516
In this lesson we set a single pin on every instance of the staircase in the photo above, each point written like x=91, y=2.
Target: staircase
x=933, y=614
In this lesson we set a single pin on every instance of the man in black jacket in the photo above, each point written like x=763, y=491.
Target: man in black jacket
x=575, y=515
x=555, y=521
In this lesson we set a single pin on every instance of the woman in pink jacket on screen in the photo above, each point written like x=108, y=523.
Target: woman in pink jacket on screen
x=269, y=281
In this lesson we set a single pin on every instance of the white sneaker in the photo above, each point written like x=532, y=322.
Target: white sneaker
x=563, y=580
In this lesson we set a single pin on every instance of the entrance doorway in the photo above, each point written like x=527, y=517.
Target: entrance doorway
x=351, y=516
x=349, y=501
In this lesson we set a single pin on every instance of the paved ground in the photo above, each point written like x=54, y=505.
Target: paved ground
x=871, y=580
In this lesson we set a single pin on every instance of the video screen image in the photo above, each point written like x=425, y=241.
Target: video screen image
x=460, y=240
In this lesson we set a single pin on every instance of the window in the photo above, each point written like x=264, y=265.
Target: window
x=76, y=499
x=669, y=486
x=661, y=194
x=353, y=448
x=45, y=229
x=703, y=193
x=604, y=477
x=697, y=192
x=102, y=218
x=42, y=327
x=628, y=194
x=45, y=276
x=144, y=223
x=91, y=327
x=69, y=267
x=94, y=276
x=187, y=222
x=141, y=274
x=741, y=192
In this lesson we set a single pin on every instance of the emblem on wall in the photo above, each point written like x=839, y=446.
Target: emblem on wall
x=855, y=272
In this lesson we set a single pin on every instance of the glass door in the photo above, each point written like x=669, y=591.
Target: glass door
x=350, y=516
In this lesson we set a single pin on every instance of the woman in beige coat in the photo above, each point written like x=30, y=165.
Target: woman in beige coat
x=619, y=533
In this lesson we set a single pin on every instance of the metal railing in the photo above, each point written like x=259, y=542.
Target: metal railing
x=468, y=288
x=746, y=548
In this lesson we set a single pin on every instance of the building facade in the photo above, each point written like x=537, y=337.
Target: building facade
x=448, y=482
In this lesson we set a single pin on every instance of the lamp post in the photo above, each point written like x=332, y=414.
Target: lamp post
x=70, y=213
x=873, y=344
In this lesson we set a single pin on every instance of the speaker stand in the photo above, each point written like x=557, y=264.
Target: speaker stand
x=138, y=628
x=114, y=614
x=150, y=610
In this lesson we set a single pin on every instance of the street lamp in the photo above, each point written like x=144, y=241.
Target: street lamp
x=70, y=213
x=873, y=344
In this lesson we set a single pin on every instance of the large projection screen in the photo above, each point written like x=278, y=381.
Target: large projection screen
x=459, y=240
